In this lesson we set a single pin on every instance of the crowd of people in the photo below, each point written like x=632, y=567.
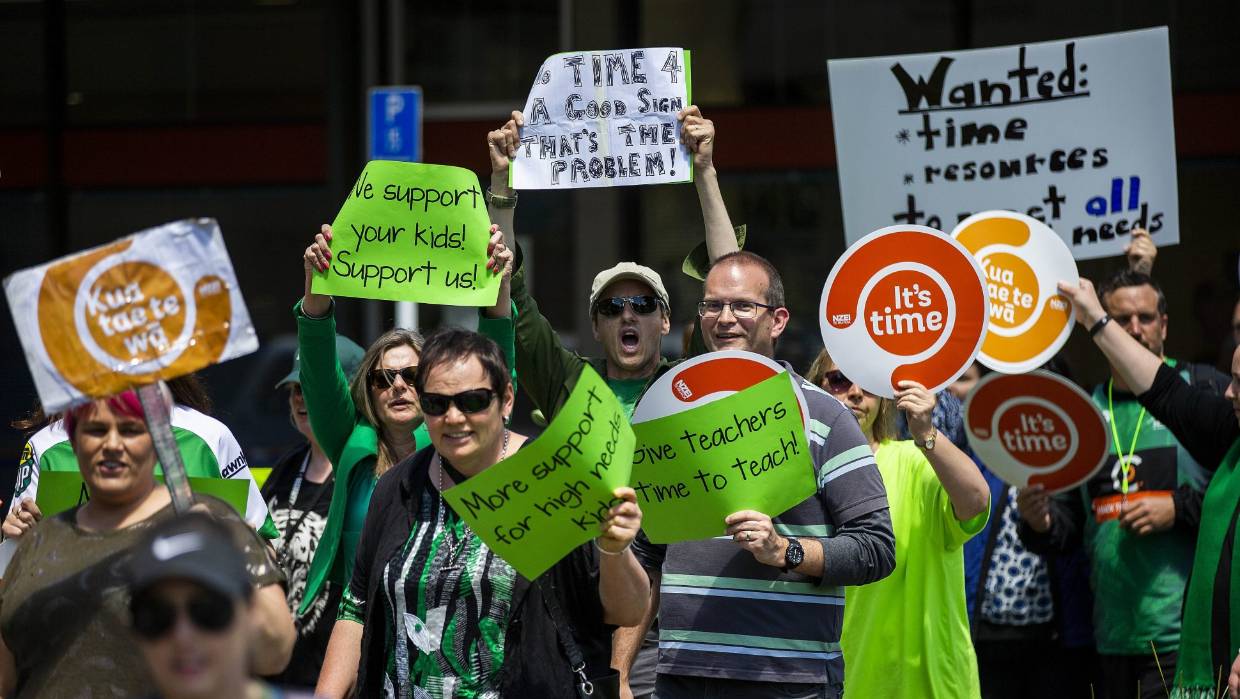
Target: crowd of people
x=913, y=571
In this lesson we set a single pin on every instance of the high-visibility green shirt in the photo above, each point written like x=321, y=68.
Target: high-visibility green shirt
x=907, y=635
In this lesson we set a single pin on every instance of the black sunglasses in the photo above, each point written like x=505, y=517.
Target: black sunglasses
x=614, y=306
x=836, y=382
x=154, y=617
x=384, y=378
x=471, y=401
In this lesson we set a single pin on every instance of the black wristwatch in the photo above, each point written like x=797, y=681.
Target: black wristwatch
x=793, y=555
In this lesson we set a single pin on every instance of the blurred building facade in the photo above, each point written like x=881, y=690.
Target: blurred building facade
x=119, y=115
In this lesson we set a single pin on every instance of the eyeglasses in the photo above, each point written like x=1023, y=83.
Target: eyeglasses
x=471, y=401
x=154, y=617
x=614, y=306
x=384, y=378
x=836, y=382
x=740, y=309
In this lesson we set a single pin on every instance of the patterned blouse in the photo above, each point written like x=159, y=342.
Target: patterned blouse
x=448, y=597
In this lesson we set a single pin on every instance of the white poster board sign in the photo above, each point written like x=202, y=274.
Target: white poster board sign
x=1076, y=133
x=605, y=118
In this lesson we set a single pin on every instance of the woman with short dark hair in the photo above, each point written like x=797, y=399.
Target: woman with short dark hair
x=439, y=613
x=369, y=423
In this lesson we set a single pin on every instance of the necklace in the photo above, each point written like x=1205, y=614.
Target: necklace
x=439, y=459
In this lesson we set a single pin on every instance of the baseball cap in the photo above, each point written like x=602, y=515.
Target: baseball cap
x=347, y=351
x=628, y=270
x=191, y=547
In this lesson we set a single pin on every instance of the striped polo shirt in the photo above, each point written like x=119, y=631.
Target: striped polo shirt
x=722, y=614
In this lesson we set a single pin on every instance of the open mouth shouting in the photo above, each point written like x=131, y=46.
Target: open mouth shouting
x=630, y=340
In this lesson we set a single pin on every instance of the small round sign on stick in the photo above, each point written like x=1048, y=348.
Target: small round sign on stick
x=904, y=303
x=1035, y=429
x=1022, y=260
x=708, y=378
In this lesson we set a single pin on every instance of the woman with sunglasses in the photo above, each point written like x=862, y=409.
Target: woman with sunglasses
x=431, y=610
x=63, y=604
x=192, y=610
x=908, y=634
x=367, y=424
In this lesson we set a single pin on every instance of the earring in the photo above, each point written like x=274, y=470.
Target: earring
x=507, y=419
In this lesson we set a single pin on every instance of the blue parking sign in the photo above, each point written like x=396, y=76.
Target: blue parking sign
x=395, y=123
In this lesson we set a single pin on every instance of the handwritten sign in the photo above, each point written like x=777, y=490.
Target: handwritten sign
x=550, y=497
x=1035, y=429
x=1022, y=260
x=904, y=303
x=746, y=451
x=155, y=305
x=62, y=490
x=1076, y=133
x=412, y=232
x=605, y=118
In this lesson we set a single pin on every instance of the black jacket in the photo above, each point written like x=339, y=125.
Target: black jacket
x=535, y=663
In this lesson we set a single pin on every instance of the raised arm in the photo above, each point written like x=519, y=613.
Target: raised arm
x=323, y=383
x=964, y=484
x=547, y=369
x=1131, y=361
x=698, y=135
x=502, y=147
x=1141, y=252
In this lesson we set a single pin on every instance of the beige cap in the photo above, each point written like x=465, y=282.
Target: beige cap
x=628, y=270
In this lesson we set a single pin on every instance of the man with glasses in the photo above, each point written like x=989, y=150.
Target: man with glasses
x=1138, y=516
x=758, y=613
x=629, y=310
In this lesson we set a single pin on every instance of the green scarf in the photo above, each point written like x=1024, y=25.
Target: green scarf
x=1195, y=674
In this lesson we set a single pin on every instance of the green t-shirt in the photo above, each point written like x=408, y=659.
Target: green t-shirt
x=628, y=391
x=1138, y=581
x=907, y=635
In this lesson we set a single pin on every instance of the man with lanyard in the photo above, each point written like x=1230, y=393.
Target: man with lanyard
x=1138, y=515
x=629, y=308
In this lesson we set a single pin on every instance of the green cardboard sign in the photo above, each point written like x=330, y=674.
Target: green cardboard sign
x=744, y=452
x=412, y=232
x=550, y=497
x=62, y=490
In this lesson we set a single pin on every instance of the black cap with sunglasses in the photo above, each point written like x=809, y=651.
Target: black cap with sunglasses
x=197, y=549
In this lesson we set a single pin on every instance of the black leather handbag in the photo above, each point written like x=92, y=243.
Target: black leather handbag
x=606, y=686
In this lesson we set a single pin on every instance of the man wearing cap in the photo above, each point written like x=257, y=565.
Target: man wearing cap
x=629, y=305
x=193, y=611
x=299, y=493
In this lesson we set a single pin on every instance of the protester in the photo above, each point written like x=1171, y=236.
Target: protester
x=207, y=447
x=760, y=615
x=298, y=493
x=1208, y=426
x=1023, y=605
x=629, y=311
x=193, y=612
x=1144, y=507
x=431, y=610
x=63, y=605
x=908, y=635
x=369, y=422
x=961, y=387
